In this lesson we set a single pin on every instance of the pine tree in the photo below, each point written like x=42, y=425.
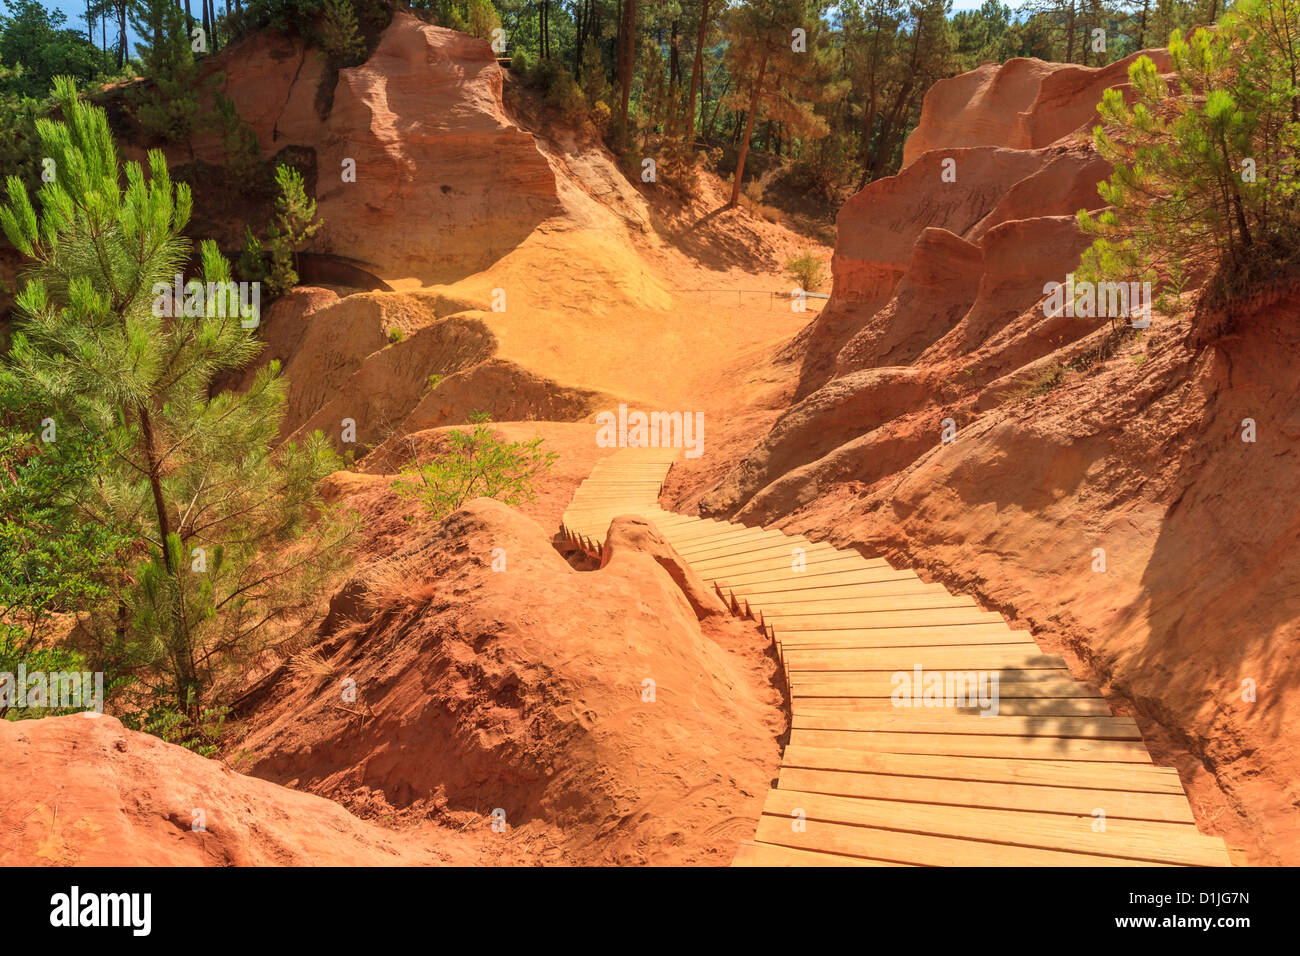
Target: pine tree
x=218, y=511
x=168, y=105
x=340, y=35
x=295, y=223
x=1206, y=176
x=783, y=72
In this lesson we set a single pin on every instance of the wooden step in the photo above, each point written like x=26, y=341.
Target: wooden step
x=1129, y=777
x=987, y=657
x=1139, y=840
x=1079, y=801
x=801, y=703
x=863, y=605
x=923, y=721
x=824, y=559
x=977, y=745
x=917, y=849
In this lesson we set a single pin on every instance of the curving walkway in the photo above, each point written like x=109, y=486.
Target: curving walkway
x=1053, y=779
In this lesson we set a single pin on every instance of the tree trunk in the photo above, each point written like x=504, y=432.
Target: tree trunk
x=629, y=59
x=749, y=129
x=1069, y=34
x=697, y=70
x=674, y=56
x=717, y=108
x=121, y=47
x=182, y=652
x=579, y=26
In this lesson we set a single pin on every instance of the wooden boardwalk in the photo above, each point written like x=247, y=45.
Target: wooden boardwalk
x=1054, y=778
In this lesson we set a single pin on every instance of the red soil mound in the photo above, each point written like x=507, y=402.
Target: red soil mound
x=527, y=688
x=134, y=800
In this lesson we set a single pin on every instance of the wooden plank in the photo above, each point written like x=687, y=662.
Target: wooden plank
x=741, y=549
x=1078, y=801
x=710, y=570
x=731, y=544
x=899, y=637
x=885, y=689
x=729, y=532
x=932, y=635
x=862, y=605
x=924, y=721
x=1175, y=843
x=866, y=619
x=687, y=534
x=977, y=745
x=1008, y=676
x=987, y=657
x=1023, y=707
x=827, y=559
x=801, y=596
x=786, y=579
x=769, y=854
x=918, y=849
x=805, y=582
x=1138, y=778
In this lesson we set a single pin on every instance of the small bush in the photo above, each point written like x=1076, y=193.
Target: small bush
x=479, y=465
x=341, y=35
x=396, y=334
x=805, y=269
x=1040, y=383
x=562, y=90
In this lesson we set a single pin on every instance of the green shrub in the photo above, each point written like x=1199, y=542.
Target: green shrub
x=340, y=35
x=479, y=465
x=1205, y=169
x=239, y=142
x=805, y=269
x=274, y=261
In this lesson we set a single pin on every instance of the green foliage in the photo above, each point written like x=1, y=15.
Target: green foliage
x=17, y=650
x=35, y=47
x=195, y=728
x=479, y=464
x=239, y=142
x=218, y=515
x=396, y=334
x=775, y=82
x=19, y=147
x=562, y=90
x=53, y=555
x=340, y=34
x=252, y=263
x=275, y=260
x=805, y=269
x=167, y=104
x=481, y=18
x=1205, y=178
x=1039, y=383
